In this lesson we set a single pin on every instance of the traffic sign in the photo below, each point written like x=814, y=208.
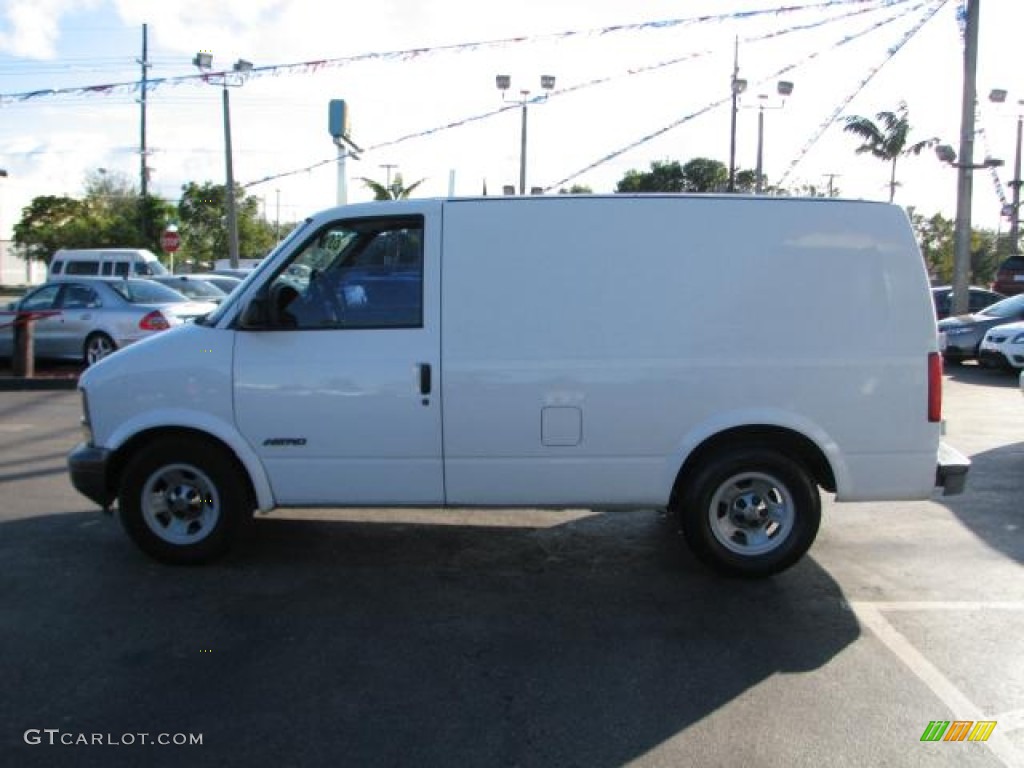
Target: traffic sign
x=170, y=241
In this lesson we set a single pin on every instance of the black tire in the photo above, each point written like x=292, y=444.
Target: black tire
x=97, y=346
x=182, y=499
x=749, y=512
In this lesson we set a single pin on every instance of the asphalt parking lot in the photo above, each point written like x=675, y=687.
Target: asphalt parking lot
x=513, y=638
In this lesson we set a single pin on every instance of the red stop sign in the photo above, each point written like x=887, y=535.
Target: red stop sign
x=170, y=241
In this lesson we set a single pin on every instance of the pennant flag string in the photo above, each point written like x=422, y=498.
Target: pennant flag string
x=629, y=73
x=312, y=67
x=890, y=54
x=727, y=98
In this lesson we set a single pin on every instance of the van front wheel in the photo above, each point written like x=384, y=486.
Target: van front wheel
x=751, y=512
x=181, y=499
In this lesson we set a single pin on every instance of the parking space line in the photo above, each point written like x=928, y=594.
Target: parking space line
x=870, y=615
x=945, y=605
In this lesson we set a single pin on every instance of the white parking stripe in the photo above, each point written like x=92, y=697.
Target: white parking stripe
x=870, y=615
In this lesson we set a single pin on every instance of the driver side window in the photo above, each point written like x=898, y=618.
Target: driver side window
x=365, y=274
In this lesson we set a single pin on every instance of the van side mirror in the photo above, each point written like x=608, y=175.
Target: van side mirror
x=255, y=315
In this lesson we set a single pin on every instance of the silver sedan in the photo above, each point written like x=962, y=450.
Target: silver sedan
x=87, y=319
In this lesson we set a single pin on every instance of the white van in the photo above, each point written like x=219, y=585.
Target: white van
x=105, y=262
x=723, y=357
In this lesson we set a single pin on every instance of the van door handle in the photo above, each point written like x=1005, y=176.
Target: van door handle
x=425, y=378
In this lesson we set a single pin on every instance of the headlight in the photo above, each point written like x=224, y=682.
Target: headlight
x=86, y=419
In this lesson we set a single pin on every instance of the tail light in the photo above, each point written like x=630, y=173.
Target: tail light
x=154, y=321
x=934, y=387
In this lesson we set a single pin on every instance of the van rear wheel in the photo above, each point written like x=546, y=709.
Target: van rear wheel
x=750, y=512
x=181, y=500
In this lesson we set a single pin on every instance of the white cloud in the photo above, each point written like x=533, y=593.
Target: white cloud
x=31, y=28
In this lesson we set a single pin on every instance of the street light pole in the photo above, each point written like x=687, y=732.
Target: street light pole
x=229, y=193
x=784, y=88
x=235, y=78
x=737, y=87
x=522, y=148
x=503, y=82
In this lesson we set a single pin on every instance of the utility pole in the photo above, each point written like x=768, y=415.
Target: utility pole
x=144, y=171
x=735, y=87
x=962, y=228
x=831, y=182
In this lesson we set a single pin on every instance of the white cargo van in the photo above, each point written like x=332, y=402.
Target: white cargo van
x=723, y=357
x=105, y=262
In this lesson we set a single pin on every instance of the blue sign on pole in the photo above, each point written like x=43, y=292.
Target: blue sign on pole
x=337, y=119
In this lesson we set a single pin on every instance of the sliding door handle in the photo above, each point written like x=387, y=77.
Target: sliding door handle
x=425, y=378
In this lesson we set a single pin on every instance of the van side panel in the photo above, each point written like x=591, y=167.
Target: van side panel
x=590, y=343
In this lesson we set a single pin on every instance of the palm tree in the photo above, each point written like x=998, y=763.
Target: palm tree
x=393, y=191
x=886, y=139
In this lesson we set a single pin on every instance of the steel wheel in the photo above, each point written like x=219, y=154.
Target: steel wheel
x=751, y=513
x=180, y=504
x=181, y=499
x=98, y=346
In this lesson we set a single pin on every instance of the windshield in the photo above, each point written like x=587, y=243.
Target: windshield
x=151, y=268
x=197, y=289
x=1011, y=307
x=214, y=317
x=146, y=292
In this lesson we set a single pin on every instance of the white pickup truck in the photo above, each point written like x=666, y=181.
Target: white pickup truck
x=723, y=357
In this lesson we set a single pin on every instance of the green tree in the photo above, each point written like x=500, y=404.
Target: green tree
x=108, y=216
x=700, y=174
x=202, y=224
x=52, y=222
x=394, y=191
x=887, y=139
x=577, y=189
x=936, y=240
x=118, y=210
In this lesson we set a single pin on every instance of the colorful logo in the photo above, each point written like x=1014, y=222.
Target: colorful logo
x=958, y=730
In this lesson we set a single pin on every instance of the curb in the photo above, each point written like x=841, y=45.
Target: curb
x=18, y=384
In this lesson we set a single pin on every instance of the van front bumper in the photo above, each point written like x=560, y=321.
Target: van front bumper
x=951, y=471
x=89, y=469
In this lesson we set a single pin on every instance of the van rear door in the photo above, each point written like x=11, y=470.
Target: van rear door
x=337, y=388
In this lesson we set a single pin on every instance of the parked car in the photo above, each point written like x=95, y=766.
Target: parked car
x=1003, y=347
x=961, y=336
x=226, y=283
x=193, y=287
x=1010, y=276
x=105, y=262
x=95, y=316
x=977, y=300
x=241, y=274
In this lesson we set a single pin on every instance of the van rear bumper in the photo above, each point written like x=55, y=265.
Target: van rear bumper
x=951, y=470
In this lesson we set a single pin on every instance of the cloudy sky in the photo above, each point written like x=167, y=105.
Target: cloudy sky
x=635, y=82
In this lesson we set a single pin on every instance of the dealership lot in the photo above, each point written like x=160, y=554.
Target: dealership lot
x=513, y=638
